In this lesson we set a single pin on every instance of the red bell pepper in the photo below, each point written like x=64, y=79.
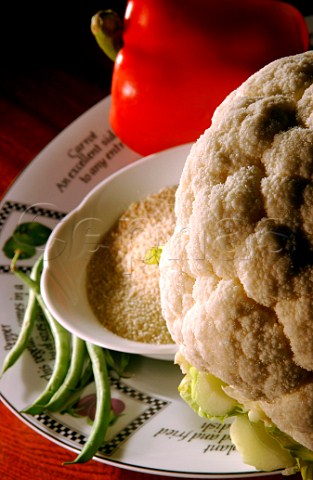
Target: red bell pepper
x=180, y=59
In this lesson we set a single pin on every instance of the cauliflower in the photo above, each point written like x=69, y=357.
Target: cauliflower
x=241, y=256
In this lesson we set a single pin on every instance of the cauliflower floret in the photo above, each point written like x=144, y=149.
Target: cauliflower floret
x=237, y=275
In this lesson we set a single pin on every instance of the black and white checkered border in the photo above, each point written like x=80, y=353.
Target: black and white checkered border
x=155, y=405
x=36, y=210
x=7, y=269
x=61, y=429
x=132, y=392
x=10, y=207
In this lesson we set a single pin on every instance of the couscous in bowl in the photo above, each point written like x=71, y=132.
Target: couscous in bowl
x=74, y=243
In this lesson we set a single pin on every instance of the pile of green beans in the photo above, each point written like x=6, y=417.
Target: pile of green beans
x=77, y=363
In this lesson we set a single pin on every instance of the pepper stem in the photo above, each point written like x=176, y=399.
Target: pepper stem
x=107, y=28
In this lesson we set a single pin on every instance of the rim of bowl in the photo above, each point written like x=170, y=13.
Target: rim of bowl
x=164, y=351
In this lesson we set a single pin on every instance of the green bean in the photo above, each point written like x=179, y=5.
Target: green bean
x=29, y=319
x=62, y=340
x=103, y=407
x=61, y=397
x=117, y=361
x=86, y=378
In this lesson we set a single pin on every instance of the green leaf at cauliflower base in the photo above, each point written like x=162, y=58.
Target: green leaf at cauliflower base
x=204, y=393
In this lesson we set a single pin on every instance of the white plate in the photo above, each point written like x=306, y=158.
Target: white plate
x=155, y=420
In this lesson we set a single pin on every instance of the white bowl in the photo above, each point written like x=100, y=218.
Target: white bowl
x=74, y=240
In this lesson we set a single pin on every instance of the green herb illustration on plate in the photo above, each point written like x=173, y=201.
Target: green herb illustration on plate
x=24, y=240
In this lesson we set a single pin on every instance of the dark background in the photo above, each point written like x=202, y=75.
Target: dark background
x=34, y=35
x=51, y=71
x=57, y=34
x=50, y=36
